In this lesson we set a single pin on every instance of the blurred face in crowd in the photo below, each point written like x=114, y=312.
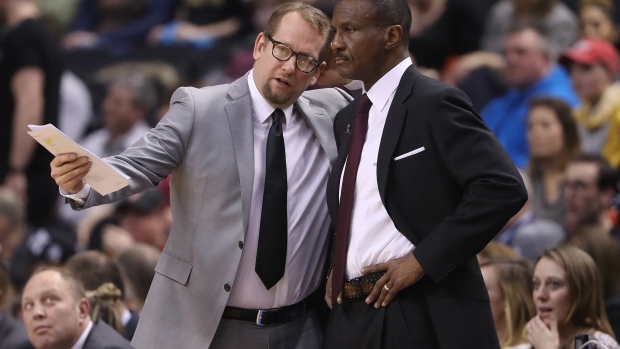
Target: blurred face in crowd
x=595, y=24
x=498, y=304
x=526, y=63
x=551, y=292
x=359, y=42
x=545, y=136
x=590, y=81
x=149, y=228
x=120, y=113
x=584, y=201
x=281, y=83
x=54, y=318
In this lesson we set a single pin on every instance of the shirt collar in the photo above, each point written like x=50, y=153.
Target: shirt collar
x=379, y=94
x=262, y=109
x=80, y=342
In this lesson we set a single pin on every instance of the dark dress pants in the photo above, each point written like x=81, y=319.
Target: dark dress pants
x=404, y=323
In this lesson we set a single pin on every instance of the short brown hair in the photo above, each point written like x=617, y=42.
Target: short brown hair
x=75, y=285
x=310, y=14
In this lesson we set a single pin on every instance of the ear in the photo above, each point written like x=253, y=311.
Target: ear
x=259, y=46
x=393, y=35
x=317, y=73
x=84, y=309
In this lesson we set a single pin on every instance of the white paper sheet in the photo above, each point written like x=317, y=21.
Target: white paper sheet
x=102, y=177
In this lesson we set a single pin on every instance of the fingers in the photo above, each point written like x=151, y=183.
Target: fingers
x=376, y=290
x=69, y=171
x=377, y=268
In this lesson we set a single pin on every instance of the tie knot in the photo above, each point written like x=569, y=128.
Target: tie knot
x=277, y=116
x=364, y=106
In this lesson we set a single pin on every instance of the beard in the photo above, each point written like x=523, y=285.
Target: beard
x=274, y=98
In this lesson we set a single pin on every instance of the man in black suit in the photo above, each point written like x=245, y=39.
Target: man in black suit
x=419, y=187
x=56, y=314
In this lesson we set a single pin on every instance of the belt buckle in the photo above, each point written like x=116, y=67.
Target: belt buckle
x=259, y=316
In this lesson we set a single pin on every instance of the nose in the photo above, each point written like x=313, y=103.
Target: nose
x=38, y=312
x=336, y=44
x=541, y=294
x=289, y=65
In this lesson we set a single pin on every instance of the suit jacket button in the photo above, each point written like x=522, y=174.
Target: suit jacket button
x=227, y=288
x=241, y=245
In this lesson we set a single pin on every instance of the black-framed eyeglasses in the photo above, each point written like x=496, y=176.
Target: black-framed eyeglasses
x=283, y=53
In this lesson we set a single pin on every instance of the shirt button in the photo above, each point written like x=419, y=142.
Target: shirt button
x=227, y=288
x=241, y=245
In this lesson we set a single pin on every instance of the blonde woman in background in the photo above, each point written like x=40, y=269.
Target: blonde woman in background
x=508, y=283
x=569, y=301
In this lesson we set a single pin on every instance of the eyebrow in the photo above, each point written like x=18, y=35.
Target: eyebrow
x=289, y=46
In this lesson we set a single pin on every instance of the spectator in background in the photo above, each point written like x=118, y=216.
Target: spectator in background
x=95, y=269
x=443, y=29
x=12, y=332
x=556, y=18
x=56, y=314
x=588, y=188
x=127, y=103
x=201, y=23
x=59, y=14
x=553, y=141
x=145, y=217
x=509, y=284
x=116, y=26
x=137, y=264
x=530, y=72
x=605, y=252
x=12, y=225
x=496, y=250
x=596, y=21
x=594, y=66
x=529, y=235
x=30, y=70
x=569, y=301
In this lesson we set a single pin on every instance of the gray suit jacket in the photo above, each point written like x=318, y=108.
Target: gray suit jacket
x=206, y=142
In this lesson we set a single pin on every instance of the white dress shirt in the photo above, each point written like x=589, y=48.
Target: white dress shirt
x=80, y=342
x=307, y=167
x=373, y=238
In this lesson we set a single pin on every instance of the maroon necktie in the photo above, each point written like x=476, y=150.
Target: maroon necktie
x=346, y=195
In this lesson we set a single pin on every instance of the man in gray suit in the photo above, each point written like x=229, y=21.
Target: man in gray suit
x=226, y=278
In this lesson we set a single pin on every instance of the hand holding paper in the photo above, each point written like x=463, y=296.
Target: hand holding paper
x=69, y=171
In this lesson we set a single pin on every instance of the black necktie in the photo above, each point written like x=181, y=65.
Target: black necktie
x=273, y=233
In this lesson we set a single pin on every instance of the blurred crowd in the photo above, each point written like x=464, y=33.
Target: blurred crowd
x=543, y=74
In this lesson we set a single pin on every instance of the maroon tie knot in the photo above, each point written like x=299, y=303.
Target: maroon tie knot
x=364, y=106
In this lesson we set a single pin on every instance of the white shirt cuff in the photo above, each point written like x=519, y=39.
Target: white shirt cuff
x=80, y=197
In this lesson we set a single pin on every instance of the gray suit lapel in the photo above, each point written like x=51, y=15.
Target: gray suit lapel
x=239, y=112
x=321, y=124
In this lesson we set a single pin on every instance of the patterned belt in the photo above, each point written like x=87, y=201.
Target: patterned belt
x=360, y=286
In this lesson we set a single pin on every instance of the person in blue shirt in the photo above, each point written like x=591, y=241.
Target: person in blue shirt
x=530, y=72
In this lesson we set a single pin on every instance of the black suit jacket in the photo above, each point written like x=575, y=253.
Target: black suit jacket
x=449, y=200
x=102, y=336
x=13, y=333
